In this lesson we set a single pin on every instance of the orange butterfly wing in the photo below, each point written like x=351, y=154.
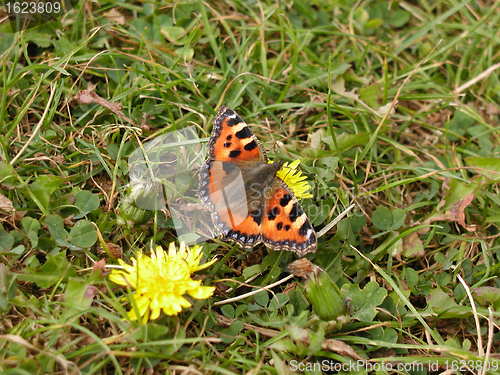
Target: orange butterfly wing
x=232, y=149
x=233, y=141
x=237, y=164
x=285, y=225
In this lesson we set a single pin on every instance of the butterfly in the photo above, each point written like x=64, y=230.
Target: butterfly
x=249, y=204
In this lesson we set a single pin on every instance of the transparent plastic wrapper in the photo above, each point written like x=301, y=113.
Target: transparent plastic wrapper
x=164, y=174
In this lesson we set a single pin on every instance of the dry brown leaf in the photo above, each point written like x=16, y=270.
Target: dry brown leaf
x=457, y=213
x=6, y=204
x=89, y=97
x=115, y=16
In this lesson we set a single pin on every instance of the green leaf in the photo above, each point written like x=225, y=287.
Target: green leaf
x=270, y=260
x=55, y=268
x=382, y=218
x=412, y=245
x=424, y=49
x=18, y=250
x=411, y=279
x=457, y=191
x=30, y=228
x=371, y=24
x=283, y=345
x=240, y=310
x=298, y=300
x=235, y=327
x=228, y=311
x=364, y=301
x=262, y=298
x=79, y=296
x=398, y=218
x=186, y=54
x=488, y=167
x=439, y=300
x=339, y=69
x=64, y=46
x=40, y=39
x=33, y=237
x=55, y=224
x=6, y=240
x=399, y=18
x=44, y=186
x=229, y=334
x=459, y=124
x=29, y=224
x=347, y=141
x=252, y=271
x=361, y=15
x=440, y=258
x=487, y=295
x=390, y=335
x=442, y=279
x=442, y=304
x=308, y=341
x=8, y=175
x=371, y=95
x=83, y=234
x=482, y=136
x=151, y=107
x=385, y=220
x=278, y=301
x=86, y=202
x=173, y=33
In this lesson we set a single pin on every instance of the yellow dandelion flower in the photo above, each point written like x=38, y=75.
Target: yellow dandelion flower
x=294, y=179
x=162, y=280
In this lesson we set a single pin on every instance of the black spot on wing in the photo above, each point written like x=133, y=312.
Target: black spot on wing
x=279, y=225
x=273, y=213
x=250, y=146
x=295, y=212
x=286, y=198
x=287, y=227
x=228, y=138
x=257, y=216
x=305, y=228
x=234, y=121
x=244, y=133
x=234, y=154
x=227, y=144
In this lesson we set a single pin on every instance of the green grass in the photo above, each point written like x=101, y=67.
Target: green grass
x=384, y=103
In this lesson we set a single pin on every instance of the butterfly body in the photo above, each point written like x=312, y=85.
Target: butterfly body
x=249, y=204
